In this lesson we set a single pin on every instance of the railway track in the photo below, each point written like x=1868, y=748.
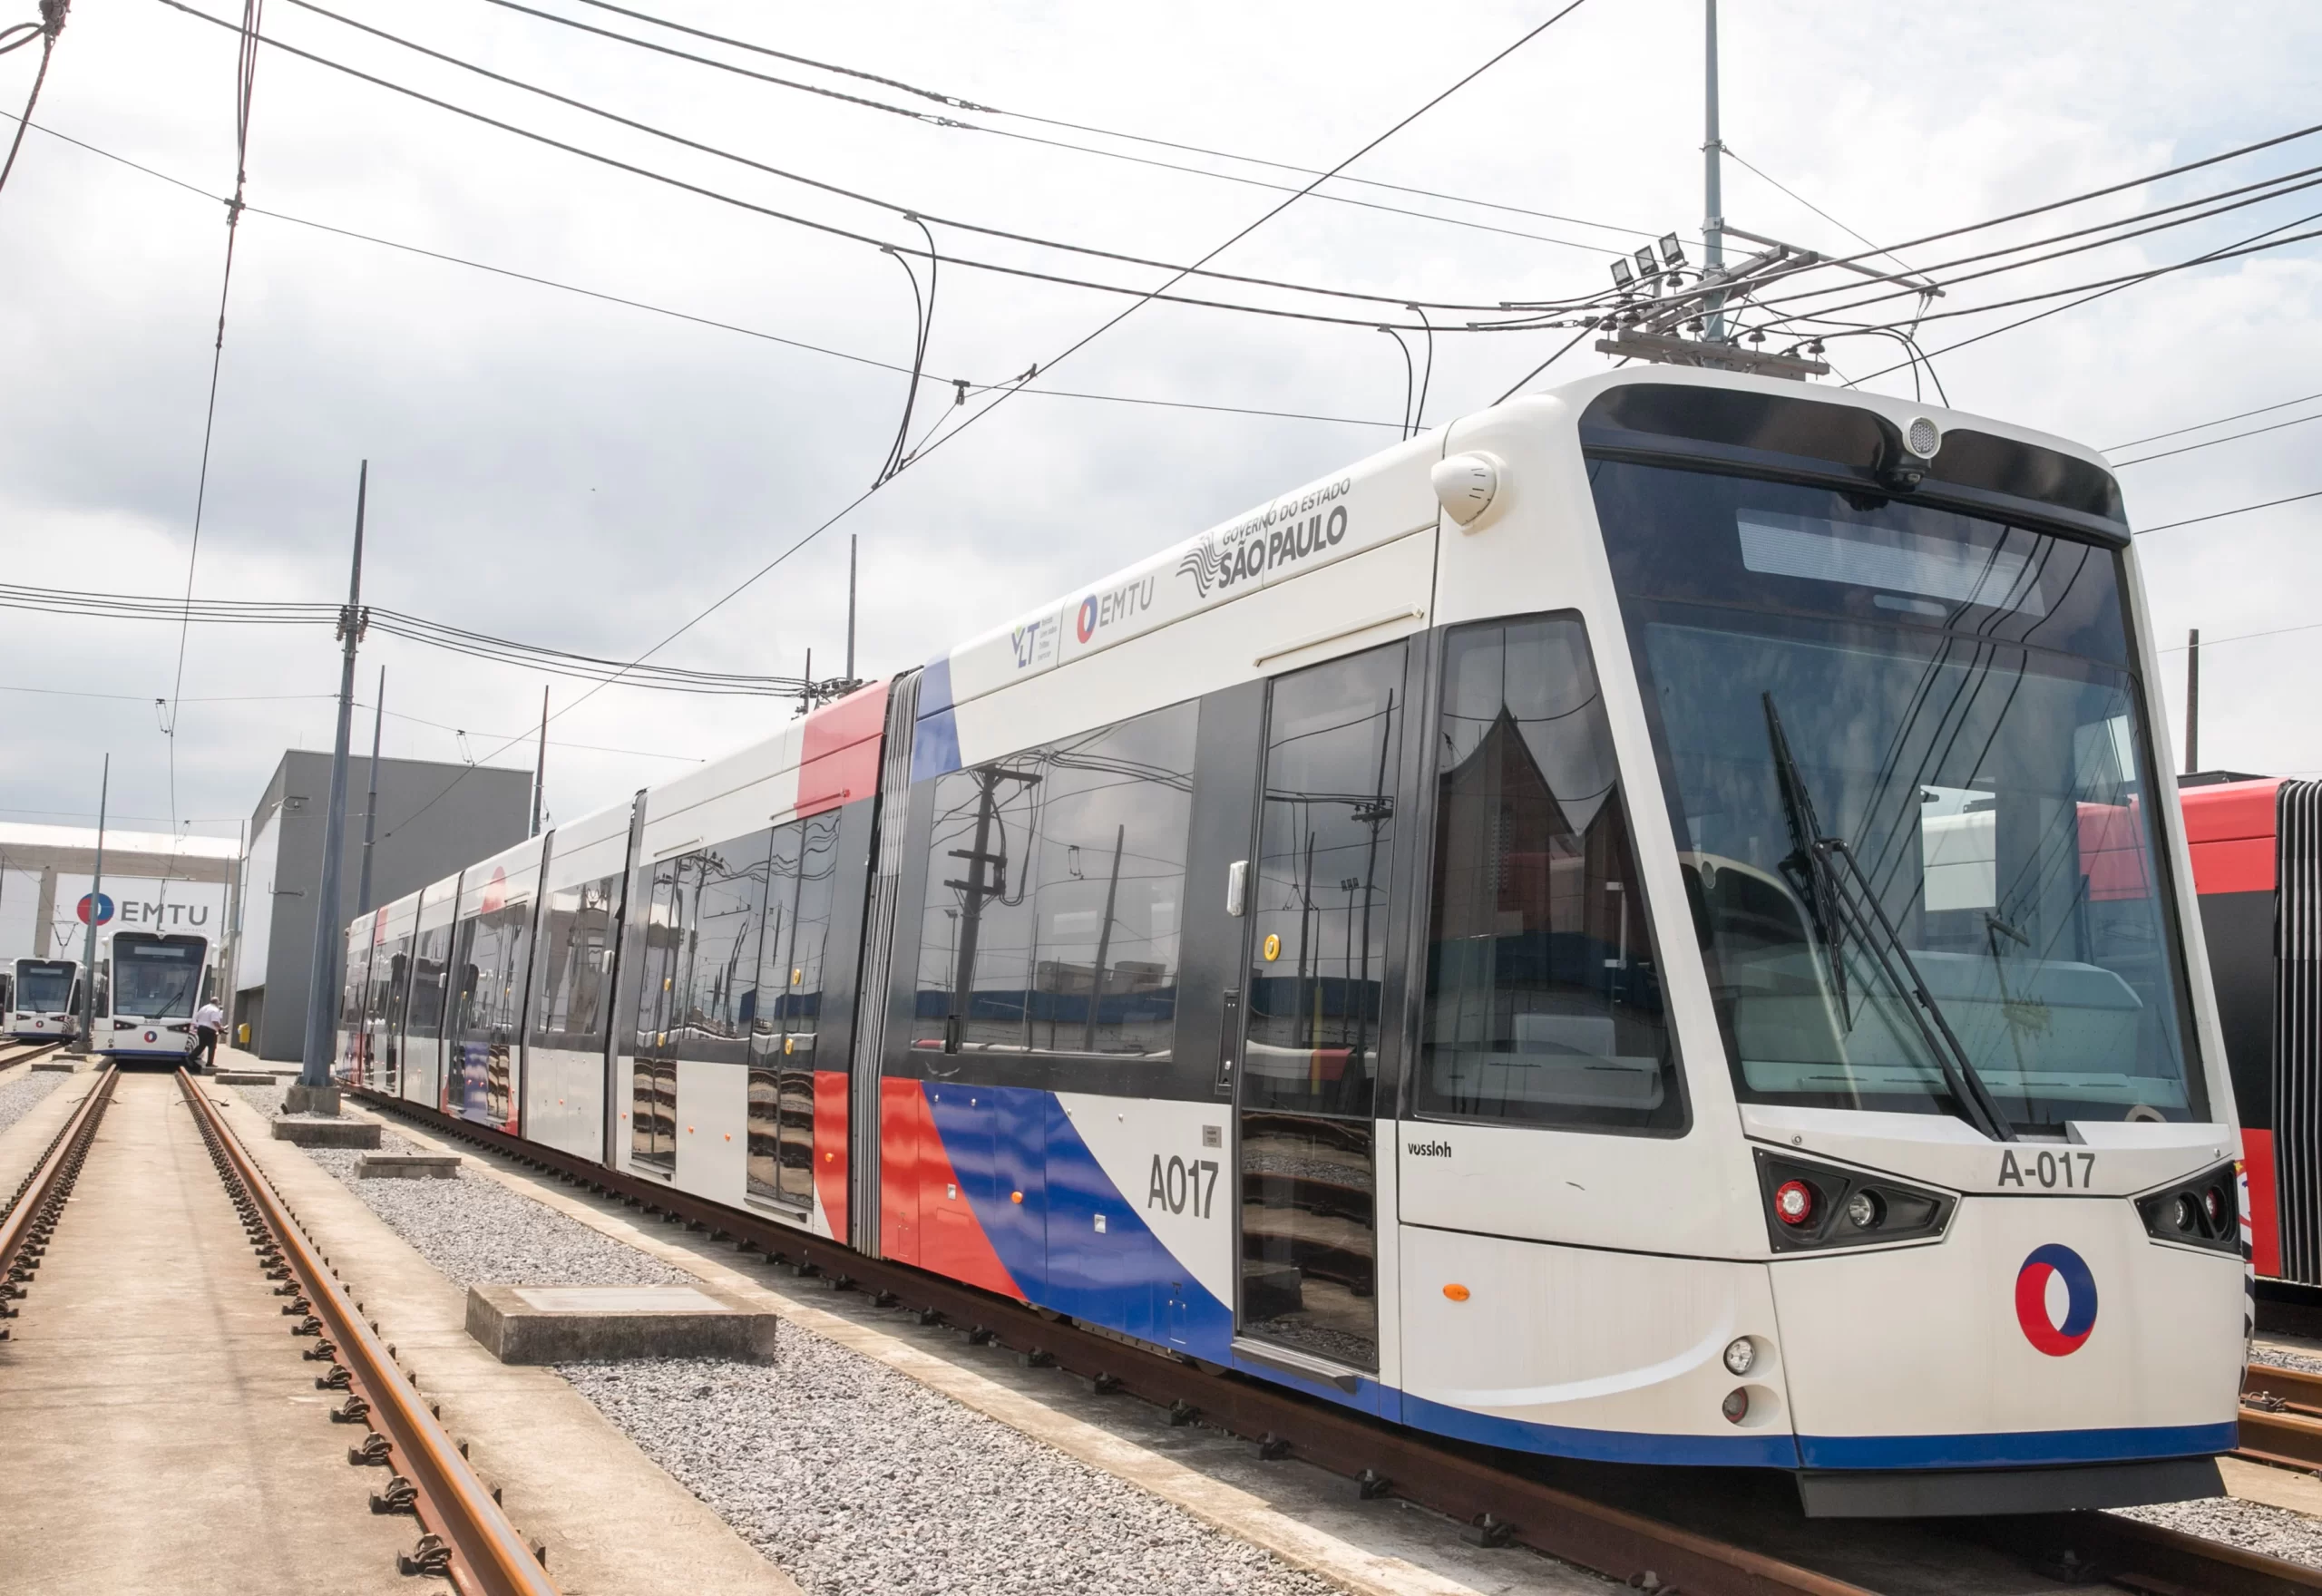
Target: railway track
x=465, y=1537
x=2281, y=1417
x=15, y=1053
x=1501, y=1505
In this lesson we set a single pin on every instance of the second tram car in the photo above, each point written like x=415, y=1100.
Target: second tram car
x=157, y=981
x=44, y=1005
x=1641, y=925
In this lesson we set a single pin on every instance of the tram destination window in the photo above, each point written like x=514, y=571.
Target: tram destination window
x=1544, y=999
x=1054, y=897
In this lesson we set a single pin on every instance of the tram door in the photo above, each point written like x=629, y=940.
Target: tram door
x=1317, y=913
x=664, y=972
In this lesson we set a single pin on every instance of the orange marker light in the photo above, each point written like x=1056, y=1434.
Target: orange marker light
x=1457, y=1292
x=1015, y=1196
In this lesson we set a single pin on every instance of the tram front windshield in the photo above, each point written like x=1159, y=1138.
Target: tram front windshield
x=1904, y=748
x=45, y=985
x=156, y=980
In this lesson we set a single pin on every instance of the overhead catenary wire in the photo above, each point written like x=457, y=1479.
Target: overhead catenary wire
x=2212, y=442
x=2221, y=514
x=47, y=30
x=994, y=402
x=245, y=82
x=2217, y=422
x=703, y=321
x=955, y=124
x=894, y=207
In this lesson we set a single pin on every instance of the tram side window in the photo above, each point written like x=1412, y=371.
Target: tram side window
x=1544, y=999
x=1054, y=897
x=573, y=1005
x=427, y=1021
x=495, y=946
x=720, y=999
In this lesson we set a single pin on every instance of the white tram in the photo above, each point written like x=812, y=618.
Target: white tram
x=1642, y=925
x=45, y=1000
x=155, y=983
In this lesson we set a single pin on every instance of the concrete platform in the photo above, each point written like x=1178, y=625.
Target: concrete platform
x=614, y=1521
x=159, y=1430
x=407, y=1166
x=594, y=1324
x=338, y=1132
x=241, y=1078
x=59, y=1065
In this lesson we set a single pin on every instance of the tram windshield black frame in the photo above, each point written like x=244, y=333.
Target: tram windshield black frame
x=1962, y=696
x=34, y=979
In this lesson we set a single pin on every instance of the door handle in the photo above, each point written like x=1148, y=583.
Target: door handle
x=1229, y=1039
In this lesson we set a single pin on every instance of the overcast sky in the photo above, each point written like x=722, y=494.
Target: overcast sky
x=575, y=472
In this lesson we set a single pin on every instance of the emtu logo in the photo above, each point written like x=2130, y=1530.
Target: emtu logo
x=104, y=909
x=1087, y=626
x=2055, y=1300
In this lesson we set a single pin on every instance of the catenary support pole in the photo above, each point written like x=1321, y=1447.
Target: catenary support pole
x=1712, y=188
x=850, y=607
x=322, y=983
x=540, y=763
x=96, y=910
x=2192, y=701
x=371, y=800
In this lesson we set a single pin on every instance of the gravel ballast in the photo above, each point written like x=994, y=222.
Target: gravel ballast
x=855, y=1480
x=2252, y=1526
x=21, y=1095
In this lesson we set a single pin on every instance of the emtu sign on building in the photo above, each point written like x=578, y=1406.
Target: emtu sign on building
x=152, y=881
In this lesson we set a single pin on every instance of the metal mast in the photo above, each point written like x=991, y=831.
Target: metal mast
x=1712, y=190
x=96, y=910
x=322, y=983
x=371, y=804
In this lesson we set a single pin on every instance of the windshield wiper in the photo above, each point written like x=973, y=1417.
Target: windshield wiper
x=1843, y=902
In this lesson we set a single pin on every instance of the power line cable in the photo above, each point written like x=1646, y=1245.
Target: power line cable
x=993, y=404
x=49, y=27
x=2221, y=514
x=893, y=208
x=956, y=102
x=245, y=80
x=685, y=316
x=2208, y=442
x=2220, y=421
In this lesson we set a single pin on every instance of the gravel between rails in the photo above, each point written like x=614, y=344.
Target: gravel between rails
x=19, y=1097
x=2269, y=1357
x=2251, y=1525
x=855, y=1480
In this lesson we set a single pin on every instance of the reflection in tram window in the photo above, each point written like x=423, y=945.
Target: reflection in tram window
x=721, y=993
x=802, y=878
x=1052, y=912
x=493, y=947
x=663, y=969
x=1318, y=919
x=1544, y=1001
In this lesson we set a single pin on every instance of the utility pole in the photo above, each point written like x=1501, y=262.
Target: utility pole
x=2192, y=701
x=371, y=802
x=96, y=908
x=540, y=762
x=850, y=608
x=1712, y=188
x=314, y=1092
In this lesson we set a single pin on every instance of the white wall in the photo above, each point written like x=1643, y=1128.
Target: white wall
x=257, y=902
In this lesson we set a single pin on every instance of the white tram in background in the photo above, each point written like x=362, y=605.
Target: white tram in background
x=44, y=1000
x=153, y=984
x=1642, y=925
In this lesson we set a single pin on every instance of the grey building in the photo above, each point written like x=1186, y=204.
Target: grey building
x=433, y=819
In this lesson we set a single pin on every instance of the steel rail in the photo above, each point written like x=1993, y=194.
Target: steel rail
x=40, y=1196
x=466, y=1535
x=1499, y=1507
x=2281, y=1417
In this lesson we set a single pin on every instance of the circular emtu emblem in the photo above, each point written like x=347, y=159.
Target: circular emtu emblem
x=1087, y=626
x=2055, y=1300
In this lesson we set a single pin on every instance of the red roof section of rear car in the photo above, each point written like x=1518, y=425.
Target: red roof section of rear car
x=2231, y=828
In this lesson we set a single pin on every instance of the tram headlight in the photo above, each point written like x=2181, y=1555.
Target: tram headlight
x=1736, y=1406
x=1923, y=437
x=1741, y=1353
x=1864, y=1211
x=1813, y=1206
x=2203, y=1212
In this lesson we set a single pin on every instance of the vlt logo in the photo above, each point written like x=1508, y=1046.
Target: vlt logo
x=2055, y=1300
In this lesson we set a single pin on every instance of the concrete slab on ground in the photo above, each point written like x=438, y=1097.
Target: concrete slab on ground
x=337, y=1131
x=592, y=1324
x=22, y=1143
x=614, y=1523
x=407, y=1166
x=1308, y=1517
x=158, y=1429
